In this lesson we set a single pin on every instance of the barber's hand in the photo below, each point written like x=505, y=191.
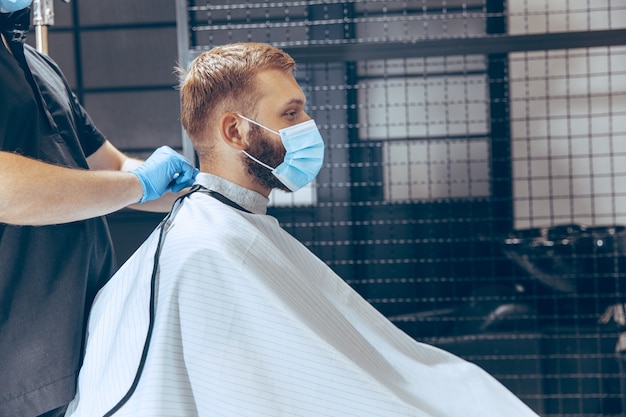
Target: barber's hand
x=165, y=170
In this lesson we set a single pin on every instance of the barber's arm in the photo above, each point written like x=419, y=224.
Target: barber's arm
x=108, y=157
x=36, y=193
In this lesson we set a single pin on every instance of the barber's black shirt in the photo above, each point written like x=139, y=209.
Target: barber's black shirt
x=50, y=274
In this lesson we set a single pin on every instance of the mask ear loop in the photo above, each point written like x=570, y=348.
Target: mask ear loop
x=258, y=124
x=264, y=127
x=257, y=161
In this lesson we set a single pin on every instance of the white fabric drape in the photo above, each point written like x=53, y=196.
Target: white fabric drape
x=250, y=323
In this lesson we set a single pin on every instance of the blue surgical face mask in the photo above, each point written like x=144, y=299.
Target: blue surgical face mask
x=304, y=157
x=10, y=6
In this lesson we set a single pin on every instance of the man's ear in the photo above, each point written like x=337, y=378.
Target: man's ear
x=233, y=130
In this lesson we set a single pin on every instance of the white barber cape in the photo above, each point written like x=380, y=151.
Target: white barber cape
x=248, y=322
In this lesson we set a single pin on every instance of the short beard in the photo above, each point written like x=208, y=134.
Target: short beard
x=268, y=151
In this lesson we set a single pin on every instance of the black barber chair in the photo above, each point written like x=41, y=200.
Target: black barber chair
x=581, y=271
x=568, y=275
x=579, y=274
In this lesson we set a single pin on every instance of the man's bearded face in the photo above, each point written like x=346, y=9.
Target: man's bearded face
x=268, y=150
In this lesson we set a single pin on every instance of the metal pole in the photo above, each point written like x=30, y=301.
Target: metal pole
x=43, y=16
x=184, y=59
x=41, y=38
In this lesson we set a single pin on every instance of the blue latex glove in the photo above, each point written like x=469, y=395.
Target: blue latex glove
x=165, y=170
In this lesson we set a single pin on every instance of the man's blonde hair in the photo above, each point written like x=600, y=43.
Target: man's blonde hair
x=223, y=79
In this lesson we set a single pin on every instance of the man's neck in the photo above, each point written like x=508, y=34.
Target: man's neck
x=237, y=176
x=249, y=199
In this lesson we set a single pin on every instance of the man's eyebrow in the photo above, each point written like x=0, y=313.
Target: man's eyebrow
x=296, y=101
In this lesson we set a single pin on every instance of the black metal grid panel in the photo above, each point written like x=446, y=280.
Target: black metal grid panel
x=118, y=57
x=472, y=189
